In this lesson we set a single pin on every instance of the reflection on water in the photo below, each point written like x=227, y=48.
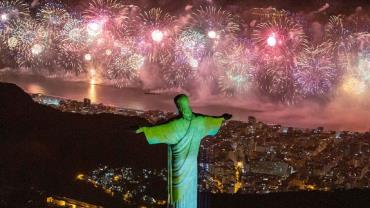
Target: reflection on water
x=92, y=92
x=127, y=98
x=35, y=88
x=336, y=116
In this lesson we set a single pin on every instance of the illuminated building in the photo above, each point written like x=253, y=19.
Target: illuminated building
x=56, y=201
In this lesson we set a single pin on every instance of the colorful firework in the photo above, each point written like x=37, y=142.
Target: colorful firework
x=72, y=45
x=156, y=32
x=22, y=35
x=32, y=45
x=38, y=57
x=236, y=67
x=156, y=19
x=192, y=45
x=362, y=41
x=353, y=86
x=12, y=10
x=358, y=78
x=234, y=82
x=279, y=38
x=316, y=74
x=267, y=13
x=73, y=35
x=53, y=14
x=111, y=13
x=214, y=22
x=340, y=37
x=275, y=80
x=363, y=68
x=70, y=63
x=359, y=22
x=122, y=38
x=124, y=68
x=44, y=55
x=176, y=71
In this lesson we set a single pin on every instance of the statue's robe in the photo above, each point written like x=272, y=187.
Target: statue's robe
x=183, y=137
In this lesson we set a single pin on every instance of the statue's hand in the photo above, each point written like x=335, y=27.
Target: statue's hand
x=227, y=116
x=140, y=130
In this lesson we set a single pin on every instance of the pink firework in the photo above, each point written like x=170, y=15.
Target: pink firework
x=111, y=13
x=316, y=74
x=279, y=38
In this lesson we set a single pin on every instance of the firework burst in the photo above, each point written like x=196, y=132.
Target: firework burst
x=32, y=45
x=124, y=68
x=44, y=56
x=357, y=80
x=38, y=57
x=111, y=13
x=116, y=40
x=72, y=45
x=275, y=80
x=12, y=10
x=192, y=45
x=156, y=32
x=363, y=69
x=156, y=19
x=236, y=67
x=176, y=71
x=353, y=86
x=214, y=22
x=279, y=38
x=100, y=47
x=54, y=15
x=22, y=35
x=359, y=22
x=316, y=74
x=73, y=35
x=234, y=81
x=71, y=63
x=340, y=37
x=267, y=13
x=362, y=41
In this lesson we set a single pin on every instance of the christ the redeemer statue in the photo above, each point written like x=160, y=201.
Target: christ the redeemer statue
x=183, y=135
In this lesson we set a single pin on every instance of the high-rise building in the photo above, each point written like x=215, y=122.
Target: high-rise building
x=87, y=102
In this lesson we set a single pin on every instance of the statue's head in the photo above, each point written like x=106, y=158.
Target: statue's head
x=182, y=103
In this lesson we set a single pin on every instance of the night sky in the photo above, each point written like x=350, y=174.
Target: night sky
x=336, y=6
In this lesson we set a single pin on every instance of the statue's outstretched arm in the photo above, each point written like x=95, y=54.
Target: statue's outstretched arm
x=225, y=116
x=166, y=133
x=213, y=123
x=140, y=130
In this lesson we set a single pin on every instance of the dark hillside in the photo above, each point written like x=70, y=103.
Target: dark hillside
x=45, y=147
